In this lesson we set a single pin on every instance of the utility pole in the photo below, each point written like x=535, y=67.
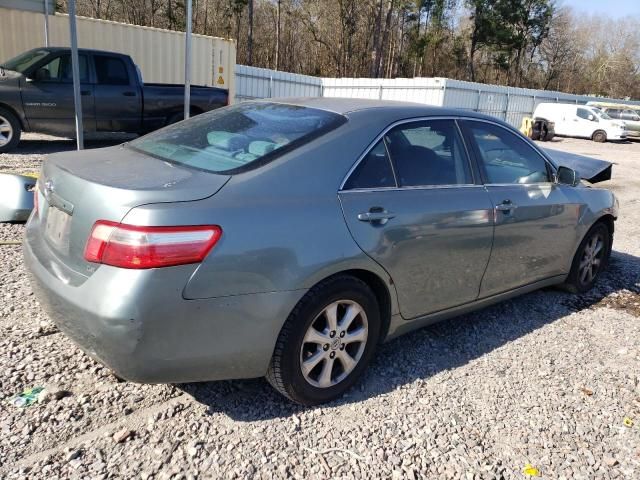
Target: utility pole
x=76, y=74
x=187, y=62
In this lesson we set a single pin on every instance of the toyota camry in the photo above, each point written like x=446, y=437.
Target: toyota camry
x=288, y=238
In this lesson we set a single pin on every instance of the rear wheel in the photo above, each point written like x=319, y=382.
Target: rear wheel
x=327, y=341
x=599, y=136
x=590, y=259
x=9, y=130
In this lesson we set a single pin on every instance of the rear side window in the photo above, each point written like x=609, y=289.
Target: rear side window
x=427, y=153
x=374, y=171
x=111, y=70
x=238, y=138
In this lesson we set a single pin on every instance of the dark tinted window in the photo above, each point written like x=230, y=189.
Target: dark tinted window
x=428, y=153
x=613, y=113
x=507, y=158
x=239, y=137
x=111, y=70
x=59, y=70
x=584, y=113
x=374, y=171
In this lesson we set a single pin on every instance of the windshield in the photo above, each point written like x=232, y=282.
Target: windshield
x=23, y=61
x=237, y=138
x=601, y=114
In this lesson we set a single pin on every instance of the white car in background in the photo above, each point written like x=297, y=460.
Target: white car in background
x=581, y=121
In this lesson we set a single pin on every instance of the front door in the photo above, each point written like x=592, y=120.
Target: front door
x=412, y=205
x=47, y=97
x=535, y=219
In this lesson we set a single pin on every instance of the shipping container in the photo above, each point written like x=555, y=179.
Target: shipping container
x=159, y=53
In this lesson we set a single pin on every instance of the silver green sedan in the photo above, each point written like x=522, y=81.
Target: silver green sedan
x=288, y=238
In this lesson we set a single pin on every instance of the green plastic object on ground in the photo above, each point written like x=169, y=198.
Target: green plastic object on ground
x=28, y=397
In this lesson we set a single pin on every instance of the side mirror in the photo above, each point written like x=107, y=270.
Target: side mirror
x=591, y=117
x=567, y=176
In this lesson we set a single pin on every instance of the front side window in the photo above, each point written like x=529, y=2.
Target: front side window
x=585, y=114
x=111, y=70
x=505, y=157
x=237, y=138
x=59, y=70
x=374, y=171
x=629, y=115
x=426, y=153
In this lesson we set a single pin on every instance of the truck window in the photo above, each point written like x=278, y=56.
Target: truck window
x=59, y=70
x=111, y=70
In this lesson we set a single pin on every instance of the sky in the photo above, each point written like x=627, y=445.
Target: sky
x=612, y=8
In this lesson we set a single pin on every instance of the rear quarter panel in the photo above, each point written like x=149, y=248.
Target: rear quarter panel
x=282, y=223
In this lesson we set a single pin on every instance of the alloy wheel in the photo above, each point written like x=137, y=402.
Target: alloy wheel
x=591, y=260
x=6, y=131
x=334, y=343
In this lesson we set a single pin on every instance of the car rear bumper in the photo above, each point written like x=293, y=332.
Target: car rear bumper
x=137, y=323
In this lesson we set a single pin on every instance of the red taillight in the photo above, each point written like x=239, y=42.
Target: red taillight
x=130, y=246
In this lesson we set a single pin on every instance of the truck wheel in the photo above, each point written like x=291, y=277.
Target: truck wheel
x=599, y=136
x=9, y=130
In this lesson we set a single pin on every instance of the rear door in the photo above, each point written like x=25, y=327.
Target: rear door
x=412, y=205
x=535, y=218
x=118, y=96
x=47, y=96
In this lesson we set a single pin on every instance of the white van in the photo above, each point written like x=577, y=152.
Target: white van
x=581, y=121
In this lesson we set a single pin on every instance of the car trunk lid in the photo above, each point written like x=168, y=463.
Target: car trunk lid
x=79, y=188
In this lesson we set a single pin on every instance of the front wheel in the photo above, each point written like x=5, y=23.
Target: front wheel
x=590, y=259
x=9, y=130
x=599, y=136
x=327, y=341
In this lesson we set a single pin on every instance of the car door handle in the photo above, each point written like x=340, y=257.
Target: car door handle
x=129, y=94
x=506, y=206
x=381, y=217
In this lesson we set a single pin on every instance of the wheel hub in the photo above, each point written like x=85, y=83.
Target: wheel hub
x=334, y=343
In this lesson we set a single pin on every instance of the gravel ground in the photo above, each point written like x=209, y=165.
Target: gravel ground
x=549, y=380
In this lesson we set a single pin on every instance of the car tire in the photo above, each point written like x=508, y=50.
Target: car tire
x=10, y=130
x=584, y=269
x=599, y=136
x=305, y=332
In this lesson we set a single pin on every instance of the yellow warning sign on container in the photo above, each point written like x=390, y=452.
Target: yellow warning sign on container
x=220, y=80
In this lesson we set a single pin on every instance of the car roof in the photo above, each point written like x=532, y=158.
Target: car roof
x=390, y=108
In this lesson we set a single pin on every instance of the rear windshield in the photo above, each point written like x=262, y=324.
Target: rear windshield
x=238, y=138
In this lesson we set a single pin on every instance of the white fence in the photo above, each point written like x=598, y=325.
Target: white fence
x=253, y=82
x=507, y=103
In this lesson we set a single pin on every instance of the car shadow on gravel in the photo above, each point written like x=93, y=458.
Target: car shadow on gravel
x=426, y=352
